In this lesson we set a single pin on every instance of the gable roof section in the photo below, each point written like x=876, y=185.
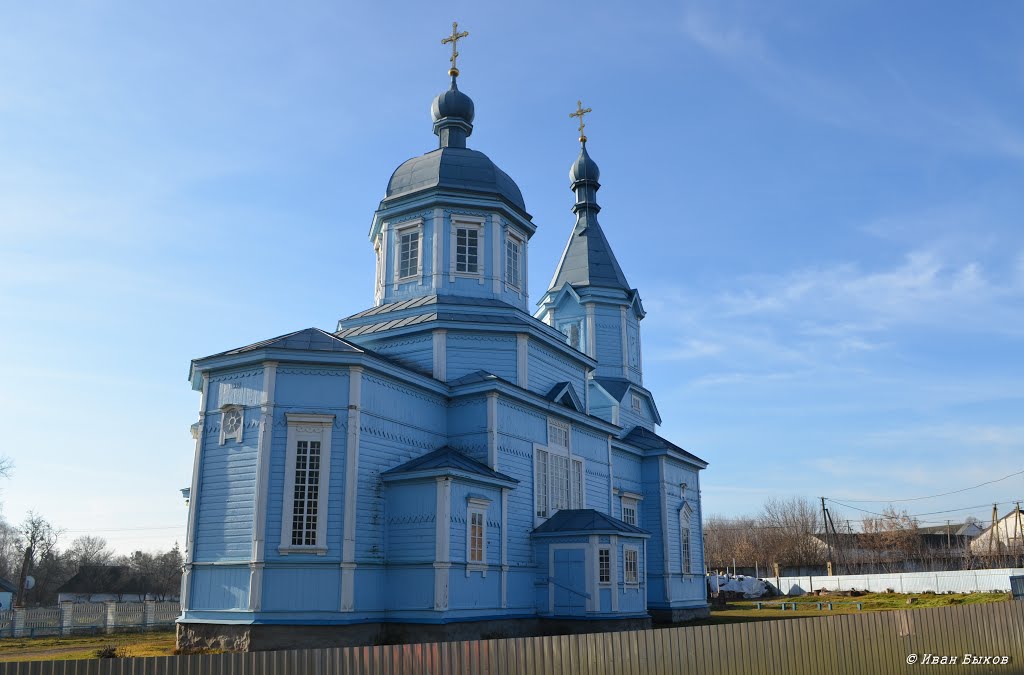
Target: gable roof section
x=590, y=521
x=649, y=441
x=307, y=339
x=617, y=387
x=565, y=394
x=447, y=460
x=7, y=586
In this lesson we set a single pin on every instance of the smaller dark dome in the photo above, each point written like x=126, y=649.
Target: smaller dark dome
x=584, y=168
x=452, y=103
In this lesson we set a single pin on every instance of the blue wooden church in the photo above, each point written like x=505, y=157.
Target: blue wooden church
x=444, y=465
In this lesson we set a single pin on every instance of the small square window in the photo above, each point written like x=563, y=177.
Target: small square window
x=573, y=332
x=638, y=403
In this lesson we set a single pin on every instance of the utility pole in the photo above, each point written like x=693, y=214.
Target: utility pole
x=1017, y=532
x=949, y=549
x=993, y=533
x=824, y=524
x=26, y=567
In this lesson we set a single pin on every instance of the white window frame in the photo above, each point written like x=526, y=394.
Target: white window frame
x=544, y=457
x=685, y=525
x=606, y=550
x=631, y=503
x=402, y=229
x=478, y=506
x=515, y=284
x=626, y=550
x=581, y=324
x=637, y=402
x=462, y=222
x=237, y=434
x=306, y=427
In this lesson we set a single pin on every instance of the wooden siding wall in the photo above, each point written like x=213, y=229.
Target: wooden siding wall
x=876, y=642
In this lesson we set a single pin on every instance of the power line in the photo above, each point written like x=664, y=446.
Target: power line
x=128, y=529
x=944, y=494
x=926, y=513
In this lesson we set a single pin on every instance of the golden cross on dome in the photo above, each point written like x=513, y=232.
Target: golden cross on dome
x=454, y=39
x=580, y=112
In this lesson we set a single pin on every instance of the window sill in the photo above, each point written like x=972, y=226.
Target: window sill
x=477, y=567
x=288, y=550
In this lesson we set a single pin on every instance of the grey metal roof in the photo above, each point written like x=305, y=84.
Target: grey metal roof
x=558, y=393
x=616, y=386
x=448, y=458
x=588, y=260
x=585, y=520
x=7, y=586
x=648, y=440
x=307, y=339
x=457, y=169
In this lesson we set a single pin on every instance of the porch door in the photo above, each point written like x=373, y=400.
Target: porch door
x=570, y=582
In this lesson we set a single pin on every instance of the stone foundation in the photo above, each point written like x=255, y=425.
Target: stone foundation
x=266, y=637
x=667, y=616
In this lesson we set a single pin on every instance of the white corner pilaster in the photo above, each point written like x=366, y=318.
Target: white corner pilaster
x=497, y=264
x=663, y=502
x=437, y=249
x=442, y=544
x=504, y=548
x=348, y=543
x=263, y=452
x=616, y=586
x=625, y=343
x=440, y=340
x=591, y=330
x=523, y=360
x=193, y=497
x=492, y=430
x=611, y=479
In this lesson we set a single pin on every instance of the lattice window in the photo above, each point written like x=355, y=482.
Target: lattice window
x=542, y=484
x=604, y=565
x=632, y=567
x=476, y=535
x=559, y=465
x=684, y=542
x=558, y=435
x=306, y=496
x=638, y=403
x=513, y=262
x=629, y=511
x=577, y=484
x=408, y=253
x=467, y=249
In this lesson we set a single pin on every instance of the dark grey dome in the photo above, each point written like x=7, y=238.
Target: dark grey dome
x=452, y=103
x=455, y=168
x=584, y=168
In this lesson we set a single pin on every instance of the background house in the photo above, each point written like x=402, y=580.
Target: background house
x=110, y=583
x=1005, y=538
x=7, y=591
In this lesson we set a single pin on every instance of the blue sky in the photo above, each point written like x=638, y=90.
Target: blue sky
x=821, y=204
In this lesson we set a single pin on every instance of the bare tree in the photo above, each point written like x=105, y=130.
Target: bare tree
x=38, y=541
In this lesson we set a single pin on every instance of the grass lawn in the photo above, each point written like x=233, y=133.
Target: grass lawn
x=738, y=611
x=56, y=648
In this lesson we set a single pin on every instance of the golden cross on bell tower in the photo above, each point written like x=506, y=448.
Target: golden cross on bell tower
x=580, y=112
x=454, y=39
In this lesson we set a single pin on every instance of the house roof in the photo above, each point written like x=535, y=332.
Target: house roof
x=448, y=458
x=7, y=586
x=648, y=440
x=105, y=579
x=586, y=520
x=307, y=339
x=588, y=260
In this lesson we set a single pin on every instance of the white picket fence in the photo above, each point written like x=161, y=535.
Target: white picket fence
x=87, y=617
x=964, y=581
